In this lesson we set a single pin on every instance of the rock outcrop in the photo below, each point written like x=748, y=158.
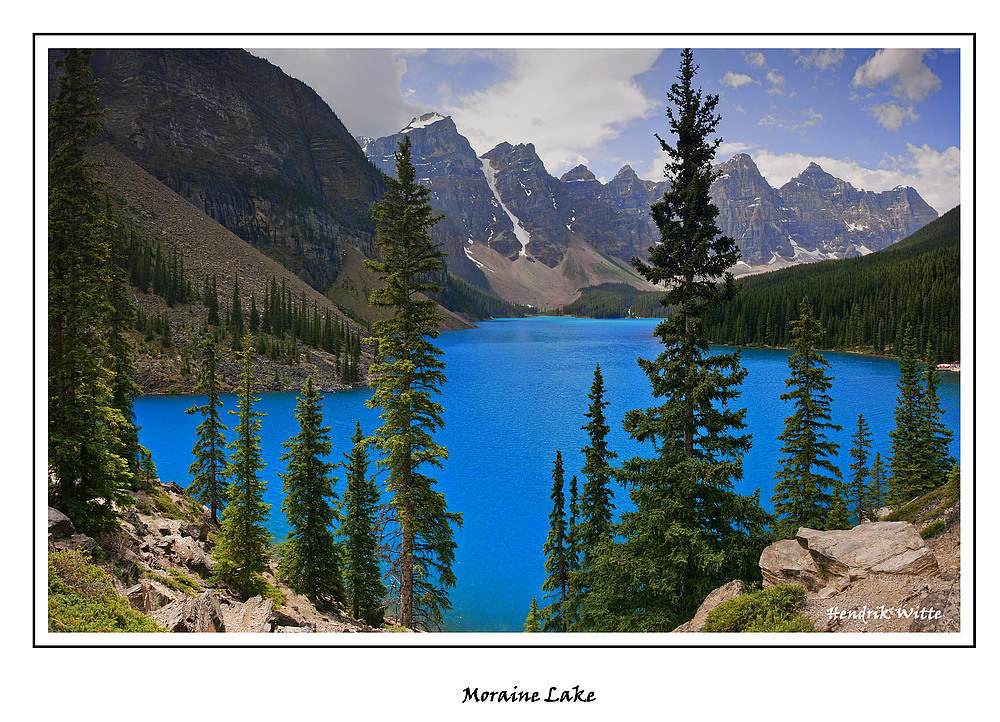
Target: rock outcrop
x=724, y=593
x=876, y=577
x=816, y=559
x=168, y=563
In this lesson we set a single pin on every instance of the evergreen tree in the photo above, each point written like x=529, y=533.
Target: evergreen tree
x=534, y=621
x=310, y=558
x=209, y=468
x=838, y=517
x=89, y=436
x=690, y=531
x=905, y=438
x=557, y=555
x=212, y=301
x=877, y=492
x=801, y=496
x=857, y=493
x=362, y=575
x=241, y=553
x=121, y=318
x=236, y=312
x=405, y=375
x=597, y=502
x=576, y=586
x=934, y=456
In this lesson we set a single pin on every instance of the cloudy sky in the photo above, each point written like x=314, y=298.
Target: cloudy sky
x=878, y=117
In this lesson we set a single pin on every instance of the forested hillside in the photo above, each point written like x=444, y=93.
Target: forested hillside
x=864, y=303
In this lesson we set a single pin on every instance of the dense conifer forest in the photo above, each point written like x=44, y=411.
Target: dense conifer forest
x=863, y=304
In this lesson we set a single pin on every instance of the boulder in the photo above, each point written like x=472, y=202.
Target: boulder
x=255, y=615
x=60, y=527
x=185, y=551
x=883, y=547
x=203, y=614
x=149, y=595
x=723, y=594
x=787, y=562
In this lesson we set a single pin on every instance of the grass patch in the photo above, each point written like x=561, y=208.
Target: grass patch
x=924, y=508
x=184, y=511
x=81, y=599
x=178, y=581
x=774, y=609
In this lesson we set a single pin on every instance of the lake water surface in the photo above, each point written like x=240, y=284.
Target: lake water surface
x=517, y=392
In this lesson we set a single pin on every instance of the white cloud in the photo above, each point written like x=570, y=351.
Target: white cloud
x=361, y=85
x=755, y=59
x=934, y=174
x=822, y=59
x=811, y=119
x=891, y=116
x=565, y=102
x=736, y=80
x=903, y=69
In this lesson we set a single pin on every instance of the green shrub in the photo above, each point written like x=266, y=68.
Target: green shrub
x=773, y=609
x=178, y=581
x=81, y=598
x=932, y=530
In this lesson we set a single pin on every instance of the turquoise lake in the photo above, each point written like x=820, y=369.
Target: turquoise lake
x=516, y=393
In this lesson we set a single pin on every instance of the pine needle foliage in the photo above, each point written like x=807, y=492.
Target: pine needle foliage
x=242, y=550
x=310, y=559
x=802, y=495
x=365, y=591
x=690, y=531
x=556, y=551
x=405, y=375
x=857, y=490
x=208, y=471
x=91, y=438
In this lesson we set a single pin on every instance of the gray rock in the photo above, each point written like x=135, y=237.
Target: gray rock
x=203, y=614
x=885, y=547
x=787, y=562
x=723, y=594
x=149, y=595
x=255, y=615
x=60, y=527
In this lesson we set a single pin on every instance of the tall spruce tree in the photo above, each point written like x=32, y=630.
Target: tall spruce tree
x=556, y=551
x=877, y=491
x=906, y=480
x=690, y=530
x=241, y=552
x=857, y=492
x=405, y=376
x=89, y=435
x=310, y=559
x=365, y=591
x=934, y=455
x=597, y=501
x=208, y=471
x=802, y=495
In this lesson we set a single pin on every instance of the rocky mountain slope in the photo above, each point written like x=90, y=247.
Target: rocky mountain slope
x=508, y=204
x=255, y=150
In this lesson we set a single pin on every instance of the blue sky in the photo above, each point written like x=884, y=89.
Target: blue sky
x=877, y=116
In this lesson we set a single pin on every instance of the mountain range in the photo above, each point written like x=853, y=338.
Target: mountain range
x=263, y=155
x=504, y=203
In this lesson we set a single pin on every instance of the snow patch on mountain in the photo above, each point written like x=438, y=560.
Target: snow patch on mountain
x=520, y=232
